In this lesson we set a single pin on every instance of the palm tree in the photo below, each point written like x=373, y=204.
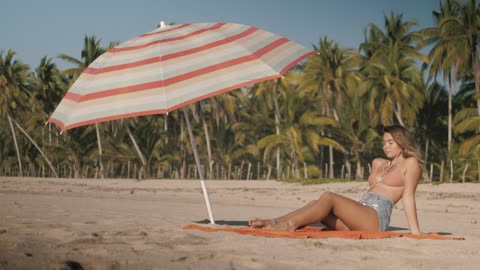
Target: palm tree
x=356, y=130
x=19, y=96
x=460, y=33
x=467, y=122
x=466, y=125
x=13, y=85
x=74, y=151
x=5, y=149
x=91, y=51
x=442, y=61
x=391, y=76
x=328, y=73
x=48, y=85
x=254, y=122
x=222, y=115
x=268, y=94
x=299, y=129
x=430, y=124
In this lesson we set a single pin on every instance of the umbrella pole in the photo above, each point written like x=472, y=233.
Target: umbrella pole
x=199, y=168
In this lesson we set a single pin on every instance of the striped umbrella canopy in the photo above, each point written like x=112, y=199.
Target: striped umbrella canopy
x=171, y=67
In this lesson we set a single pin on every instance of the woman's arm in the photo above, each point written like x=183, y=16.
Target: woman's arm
x=412, y=175
x=376, y=164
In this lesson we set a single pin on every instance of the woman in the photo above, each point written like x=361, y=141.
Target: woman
x=391, y=179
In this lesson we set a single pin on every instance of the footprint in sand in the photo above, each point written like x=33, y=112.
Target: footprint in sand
x=17, y=204
x=104, y=222
x=59, y=212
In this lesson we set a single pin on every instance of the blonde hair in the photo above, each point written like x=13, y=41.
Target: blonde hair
x=405, y=140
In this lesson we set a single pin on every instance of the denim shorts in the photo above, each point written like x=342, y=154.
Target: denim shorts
x=382, y=205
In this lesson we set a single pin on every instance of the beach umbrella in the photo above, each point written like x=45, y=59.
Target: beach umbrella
x=173, y=66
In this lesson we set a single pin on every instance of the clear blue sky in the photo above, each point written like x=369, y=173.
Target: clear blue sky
x=37, y=28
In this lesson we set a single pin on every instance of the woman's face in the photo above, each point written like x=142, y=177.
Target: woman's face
x=390, y=147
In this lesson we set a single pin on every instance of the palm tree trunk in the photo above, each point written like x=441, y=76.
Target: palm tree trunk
x=449, y=141
x=348, y=167
x=398, y=114
x=36, y=146
x=464, y=172
x=358, y=171
x=229, y=172
x=294, y=158
x=99, y=141
x=269, y=172
x=20, y=169
x=330, y=148
x=335, y=115
x=209, y=150
x=165, y=127
x=426, y=151
x=478, y=169
x=476, y=75
x=135, y=145
x=49, y=133
x=330, y=170
x=240, y=171
x=277, y=126
x=425, y=172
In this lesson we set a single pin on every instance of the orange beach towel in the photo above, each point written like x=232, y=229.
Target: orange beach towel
x=319, y=232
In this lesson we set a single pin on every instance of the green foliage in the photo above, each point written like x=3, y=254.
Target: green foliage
x=332, y=105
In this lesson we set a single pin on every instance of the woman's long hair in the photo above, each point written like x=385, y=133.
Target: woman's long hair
x=405, y=140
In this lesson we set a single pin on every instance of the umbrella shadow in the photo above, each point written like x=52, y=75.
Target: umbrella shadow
x=245, y=223
x=391, y=228
x=443, y=233
x=224, y=222
x=239, y=223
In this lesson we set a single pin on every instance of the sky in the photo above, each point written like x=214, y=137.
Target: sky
x=38, y=28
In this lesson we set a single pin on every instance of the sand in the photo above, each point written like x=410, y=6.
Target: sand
x=130, y=224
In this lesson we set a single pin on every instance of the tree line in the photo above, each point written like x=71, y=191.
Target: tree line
x=324, y=119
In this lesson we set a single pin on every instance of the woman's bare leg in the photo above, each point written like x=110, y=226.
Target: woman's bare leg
x=332, y=222
x=349, y=214
x=261, y=223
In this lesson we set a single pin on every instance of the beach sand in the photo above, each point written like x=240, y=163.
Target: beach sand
x=130, y=224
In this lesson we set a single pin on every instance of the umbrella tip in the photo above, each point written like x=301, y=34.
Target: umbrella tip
x=162, y=24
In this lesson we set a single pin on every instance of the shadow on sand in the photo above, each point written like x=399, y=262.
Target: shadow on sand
x=224, y=222
x=245, y=223
x=239, y=223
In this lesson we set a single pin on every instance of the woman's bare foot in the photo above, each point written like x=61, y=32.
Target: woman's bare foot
x=271, y=224
x=282, y=226
x=259, y=223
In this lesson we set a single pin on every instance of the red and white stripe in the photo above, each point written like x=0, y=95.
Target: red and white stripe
x=174, y=66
